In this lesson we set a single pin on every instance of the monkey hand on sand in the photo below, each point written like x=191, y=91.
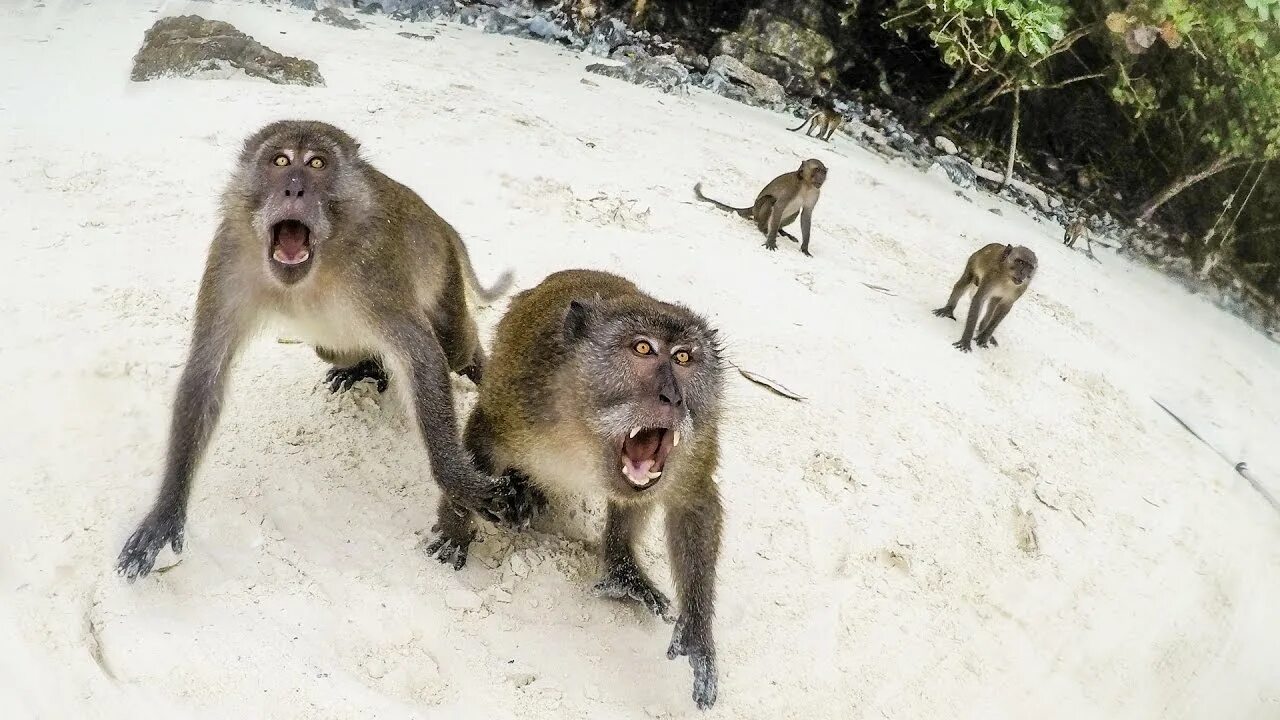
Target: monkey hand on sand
x=962, y=346
x=984, y=342
x=945, y=312
x=695, y=642
x=771, y=246
x=510, y=500
x=625, y=581
x=161, y=527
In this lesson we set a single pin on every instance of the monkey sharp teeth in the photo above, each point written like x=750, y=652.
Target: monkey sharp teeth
x=634, y=431
x=655, y=475
x=675, y=439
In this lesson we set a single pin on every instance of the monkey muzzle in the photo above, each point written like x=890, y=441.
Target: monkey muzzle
x=290, y=243
x=644, y=453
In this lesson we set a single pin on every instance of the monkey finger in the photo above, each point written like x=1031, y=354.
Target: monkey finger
x=705, y=683
x=962, y=346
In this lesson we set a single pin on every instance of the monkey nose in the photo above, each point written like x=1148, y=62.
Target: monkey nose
x=670, y=396
x=294, y=188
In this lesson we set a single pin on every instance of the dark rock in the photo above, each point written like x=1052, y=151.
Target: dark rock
x=606, y=35
x=411, y=10
x=503, y=24
x=688, y=56
x=333, y=16
x=415, y=36
x=956, y=170
x=189, y=44
x=729, y=77
x=304, y=4
x=790, y=51
x=641, y=68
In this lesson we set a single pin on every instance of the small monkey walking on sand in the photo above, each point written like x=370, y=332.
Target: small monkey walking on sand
x=778, y=204
x=825, y=120
x=356, y=263
x=596, y=389
x=1000, y=274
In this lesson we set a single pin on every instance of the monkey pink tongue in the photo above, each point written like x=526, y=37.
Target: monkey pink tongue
x=291, y=242
x=640, y=455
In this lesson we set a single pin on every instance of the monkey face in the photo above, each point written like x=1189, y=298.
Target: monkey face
x=1021, y=263
x=814, y=172
x=293, y=173
x=652, y=375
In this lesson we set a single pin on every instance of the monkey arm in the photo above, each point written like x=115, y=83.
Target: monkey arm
x=806, y=219
x=971, y=322
x=417, y=356
x=996, y=316
x=693, y=540
x=622, y=578
x=218, y=332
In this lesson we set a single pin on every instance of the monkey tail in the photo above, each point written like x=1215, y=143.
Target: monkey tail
x=491, y=293
x=806, y=122
x=744, y=212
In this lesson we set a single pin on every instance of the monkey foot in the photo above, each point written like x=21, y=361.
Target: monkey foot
x=962, y=346
x=624, y=581
x=945, y=312
x=983, y=342
x=702, y=659
x=806, y=252
x=789, y=236
x=450, y=550
x=774, y=246
x=342, y=378
x=139, y=553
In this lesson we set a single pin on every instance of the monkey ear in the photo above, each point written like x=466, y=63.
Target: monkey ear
x=1007, y=249
x=575, y=321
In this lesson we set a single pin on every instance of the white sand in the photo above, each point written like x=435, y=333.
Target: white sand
x=1017, y=533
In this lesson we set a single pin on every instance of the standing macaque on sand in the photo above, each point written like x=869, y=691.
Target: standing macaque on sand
x=788, y=195
x=825, y=120
x=1076, y=230
x=357, y=264
x=595, y=389
x=1000, y=274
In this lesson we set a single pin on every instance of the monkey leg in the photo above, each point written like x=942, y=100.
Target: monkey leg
x=957, y=292
x=762, y=211
x=343, y=378
x=775, y=223
x=622, y=578
x=693, y=543
x=788, y=235
x=350, y=368
x=457, y=331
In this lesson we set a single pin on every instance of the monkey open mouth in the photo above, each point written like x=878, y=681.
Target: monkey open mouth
x=290, y=242
x=644, y=453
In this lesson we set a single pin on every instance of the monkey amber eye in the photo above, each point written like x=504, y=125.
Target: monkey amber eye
x=643, y=348
x=316, y=162
x=281, y=161
x=683, y=357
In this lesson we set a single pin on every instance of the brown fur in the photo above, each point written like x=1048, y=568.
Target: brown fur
x=383, y=281
x=562, y=388
x=777, y=205
x=825, y=120
x=999, y=274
